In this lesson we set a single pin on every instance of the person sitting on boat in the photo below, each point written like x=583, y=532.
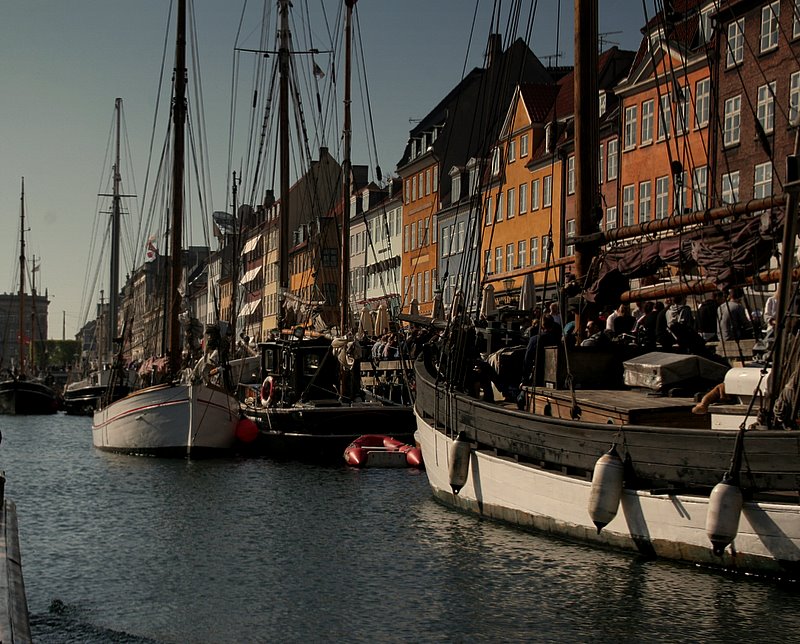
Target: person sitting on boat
x=707, y=315
x=548, y=336
x=645, y=327
x=732, y=322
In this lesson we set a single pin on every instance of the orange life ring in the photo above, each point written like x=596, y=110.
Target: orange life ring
x=267, y=391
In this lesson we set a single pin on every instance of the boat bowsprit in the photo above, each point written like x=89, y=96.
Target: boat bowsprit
x=377, y=450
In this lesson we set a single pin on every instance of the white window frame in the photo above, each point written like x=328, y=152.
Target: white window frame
x=611, y=217
x=664, y=117
x=630, y=128
x=700, y=188
x=682, y=104
x=628, y=204
x=512, y=150
x=645, y=200
x=765, y=108
x=770, y=26
x=523, y=145
x=613, y=159
x=732, y=124
x=702, y=105
x=534, y=251
x=662, y=198
x=794, y=98
x=535, y=194
x=510, y=257
x=730, y=187
x=523, y=198
x=522, y=253
x=498, y=213
x=648, y=114
x=569, y=249
x=762, y=180
x=547, y=191
x=734, y=46
x=511, y=203
x=571, y=175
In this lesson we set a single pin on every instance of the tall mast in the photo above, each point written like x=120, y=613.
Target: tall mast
x=344, y=319
x=586, y=118
x=115, y=217
x=283, y=143
x=176, y=236
x=21, y=335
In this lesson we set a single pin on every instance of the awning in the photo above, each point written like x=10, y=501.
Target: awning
x=251, y=244
x=250, y=307
x=250, y=275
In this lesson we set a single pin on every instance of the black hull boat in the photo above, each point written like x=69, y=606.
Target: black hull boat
x=84, y=400
x=27, y=397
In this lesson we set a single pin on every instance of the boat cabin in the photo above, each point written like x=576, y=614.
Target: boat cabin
x=301, y=370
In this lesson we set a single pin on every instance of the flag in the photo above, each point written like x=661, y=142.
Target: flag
x=318, y=71
x=152, y=252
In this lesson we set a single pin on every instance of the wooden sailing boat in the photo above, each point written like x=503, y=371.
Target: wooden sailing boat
x=83, y=396
x=21, y=394
x=191, y=415
x=311, y=406
x=619, y=468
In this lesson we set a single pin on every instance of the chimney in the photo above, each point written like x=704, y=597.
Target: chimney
x=493, y=50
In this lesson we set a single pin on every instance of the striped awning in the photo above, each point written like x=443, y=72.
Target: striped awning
x=251, y=244
x=250, y=307
x=250, y=275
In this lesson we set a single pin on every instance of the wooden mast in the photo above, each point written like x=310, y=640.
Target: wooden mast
x=21, y=334
x=344, y=314
x=115, y=223
x=283, y=143
x=586, y=136
x=176, y=236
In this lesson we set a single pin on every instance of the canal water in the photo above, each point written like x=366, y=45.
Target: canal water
x=132, y=549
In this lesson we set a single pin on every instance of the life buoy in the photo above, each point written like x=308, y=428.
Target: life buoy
x=267, y=391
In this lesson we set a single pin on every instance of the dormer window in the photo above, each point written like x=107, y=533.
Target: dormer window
x=455, y=184
x=365, y=201
x=473, y=168
x=495, y=162
x=602, y=104
x=548, y=137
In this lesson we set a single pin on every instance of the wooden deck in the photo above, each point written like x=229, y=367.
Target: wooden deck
x=617, y=407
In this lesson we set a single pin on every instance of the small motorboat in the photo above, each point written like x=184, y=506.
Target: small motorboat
x=377, y=450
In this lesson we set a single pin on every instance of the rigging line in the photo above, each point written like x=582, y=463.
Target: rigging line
x=157, y=108
x=232, y=103
x=367, y=101
x=204, y=183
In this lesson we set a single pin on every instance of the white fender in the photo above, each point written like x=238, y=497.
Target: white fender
x=459, y=462
x=722, y=520
x=607, y=479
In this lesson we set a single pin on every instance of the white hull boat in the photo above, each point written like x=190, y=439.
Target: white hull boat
x=179, y=420
x=670, y=526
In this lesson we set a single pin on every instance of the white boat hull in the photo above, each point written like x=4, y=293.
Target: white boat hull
x=668, y=526
x=181, y=419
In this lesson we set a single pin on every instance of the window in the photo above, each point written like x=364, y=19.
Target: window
x=406, y=286
x=473, y=179
x=445, y=245
x=330, y=257
x=461, y=227
x=611, y=217
x=700, y=188
x=664, y=117
x=662, y=197
x=647, y=123
x=522, y=253
x=435, y=174
x=545, y=247
x=408, y=191
x=681, y=188
x=547, y=196
x=702, y=103
x=523, y=198
x=414, y=188
x=628, y=205
x=682, y=102
x=495, y=161
x=498, y=259
x=706, y=31
x=427, y=294
x=794, y=98
x=766, y=107
x=511, y=203
x=535, y=194
x=423, y=233
x=569, y=249
x=769, y=26
x=512, y=150
x=732, y=123
x=487, y=260
x=534, y=251
x=613, y=146
x=600, y=166
x=730, y=187
x=631, y=125
x=523, y=145
x=428, y=181
x=509, y=257
x=571, y=175
x=645, y=190
x=455, y=187
x=735, y=48
x=413, y=236
x=489, y=213
x=796, y=20
x=498, y=213
x=762, y=181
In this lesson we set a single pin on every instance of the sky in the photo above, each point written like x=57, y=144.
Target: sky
x=64, y=62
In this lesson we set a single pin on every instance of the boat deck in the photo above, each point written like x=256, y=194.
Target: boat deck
x=617, y=407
